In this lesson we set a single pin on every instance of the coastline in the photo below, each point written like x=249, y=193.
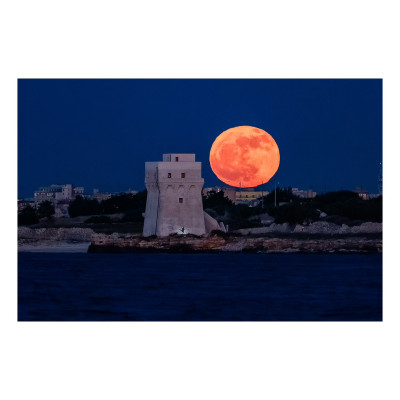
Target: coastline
x=299, y=243
x=315, y=238
x=54, y=240
x=48, y=246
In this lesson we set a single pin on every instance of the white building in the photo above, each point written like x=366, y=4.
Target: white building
x=100, y=196
x=174, y=203
x=57, y=193
x=304, y=194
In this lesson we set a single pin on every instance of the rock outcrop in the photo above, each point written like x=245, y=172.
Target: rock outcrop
x=317, y=228
x=227, y=243
x=318, y=237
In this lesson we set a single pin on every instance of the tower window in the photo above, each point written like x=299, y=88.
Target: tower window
x=176, y=158
x=183, y=175
x=169, y=174
x=180, y=199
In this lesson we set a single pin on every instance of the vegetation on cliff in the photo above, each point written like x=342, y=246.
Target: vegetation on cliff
x=132, y=205
x=341, y=207
x=30, y=215
x=350, y=205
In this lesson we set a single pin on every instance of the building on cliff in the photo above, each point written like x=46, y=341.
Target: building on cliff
x=174, y=203
x=57, y=193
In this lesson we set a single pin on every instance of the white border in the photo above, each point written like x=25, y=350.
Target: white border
x=218, y=39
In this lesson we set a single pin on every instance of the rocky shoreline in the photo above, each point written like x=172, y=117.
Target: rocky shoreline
x=320, y=237
x=171, y=244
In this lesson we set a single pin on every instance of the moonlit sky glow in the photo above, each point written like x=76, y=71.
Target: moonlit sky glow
x=99, y=133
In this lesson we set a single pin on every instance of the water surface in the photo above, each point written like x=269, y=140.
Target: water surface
x=199, y=287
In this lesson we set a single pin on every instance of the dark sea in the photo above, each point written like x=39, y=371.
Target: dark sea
x=199, y=287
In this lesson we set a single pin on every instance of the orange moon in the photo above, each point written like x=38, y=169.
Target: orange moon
x=244, y=156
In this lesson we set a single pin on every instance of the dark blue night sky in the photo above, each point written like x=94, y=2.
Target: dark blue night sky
x=99, y=133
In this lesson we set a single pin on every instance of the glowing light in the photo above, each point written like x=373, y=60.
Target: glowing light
x=244, y=156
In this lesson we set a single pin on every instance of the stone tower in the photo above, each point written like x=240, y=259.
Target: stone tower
x=174, y=203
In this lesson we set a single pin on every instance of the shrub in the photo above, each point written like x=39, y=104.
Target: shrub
x=124, y=202
x=28, y=216
x=81, y=206
x=45, y=209
x=296, y=213
x=350, y=205
x=216, y=201
x=282, y=195
x=133, y=216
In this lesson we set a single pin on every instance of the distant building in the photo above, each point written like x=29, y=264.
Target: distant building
x=304, y=194
x=230, y=193
x=79, y=191
x=57, y=193
x=361, y=192
x=47, y=193
x=100, y=196
x=244, y=196
x=249, y=197
x=97, y=195
x=23, y=203
x=365, y=195
x=373, y=195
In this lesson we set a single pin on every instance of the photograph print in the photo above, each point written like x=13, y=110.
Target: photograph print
x=200, y=200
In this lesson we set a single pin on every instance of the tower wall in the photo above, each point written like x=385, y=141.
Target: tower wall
x=150, y=215
x=174, y=203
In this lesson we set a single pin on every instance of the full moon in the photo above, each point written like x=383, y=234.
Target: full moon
x=244, y=156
